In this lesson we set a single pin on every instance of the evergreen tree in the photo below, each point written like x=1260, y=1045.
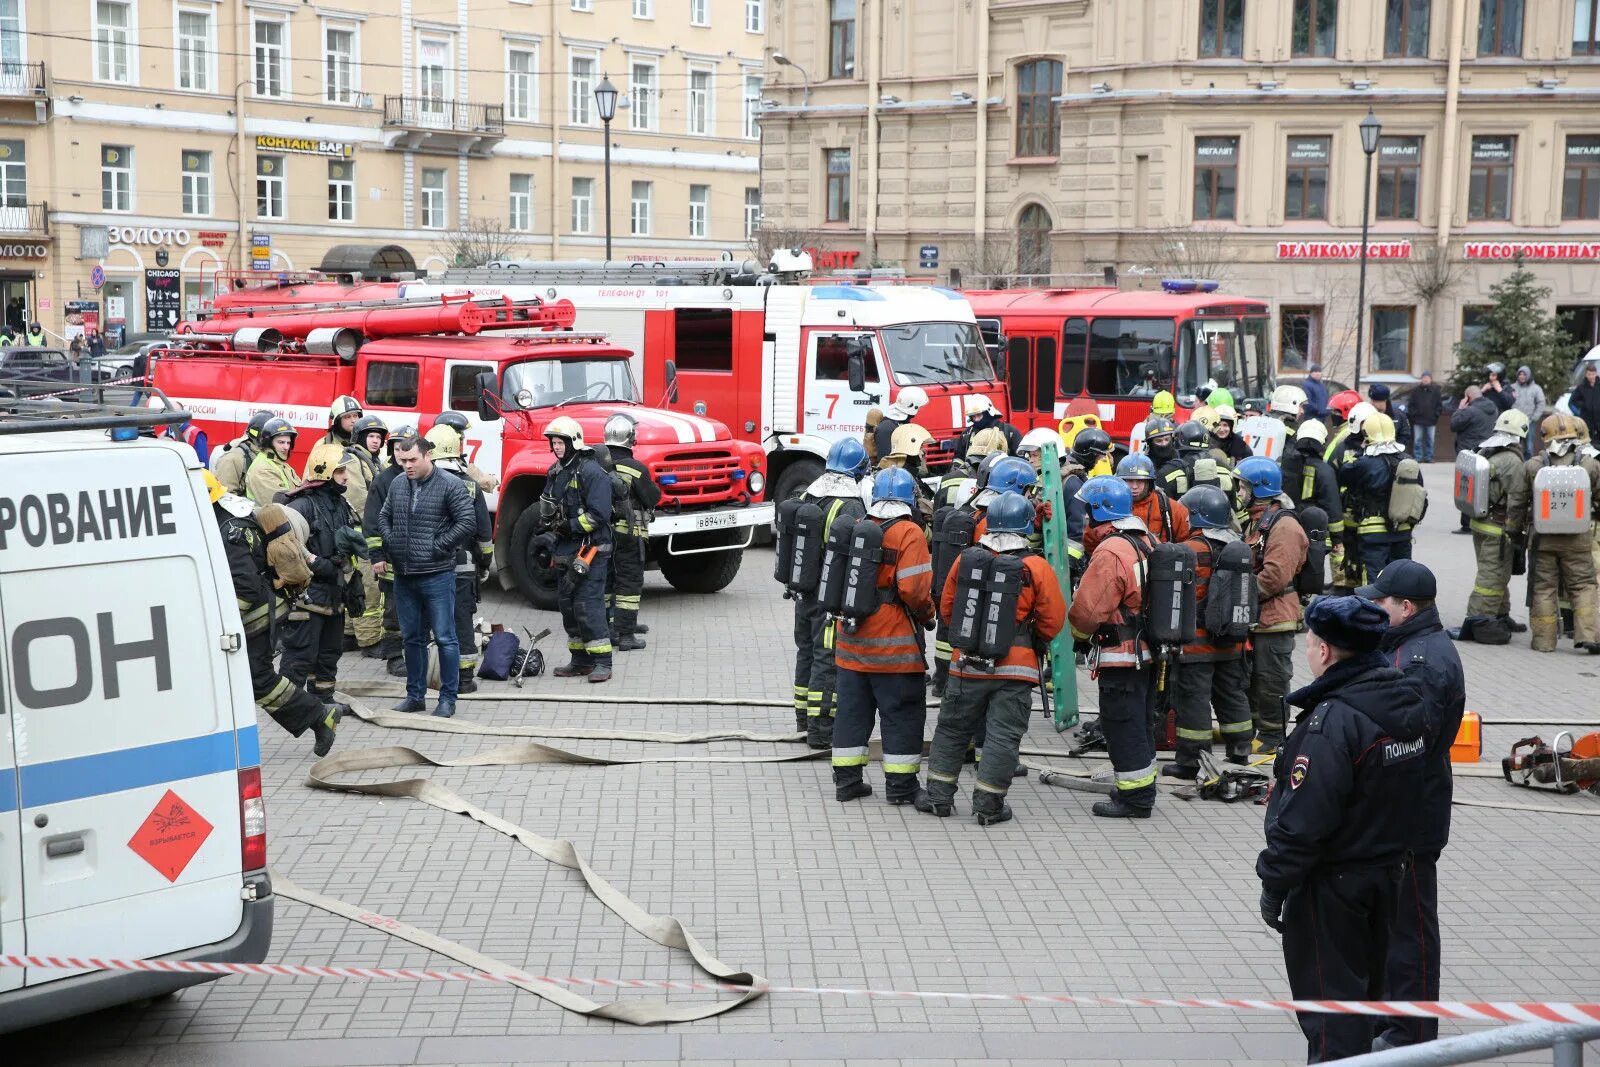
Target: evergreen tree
x=1519, y=332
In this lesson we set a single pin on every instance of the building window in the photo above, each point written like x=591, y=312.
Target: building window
x=194, y=50
x=270, y=187
x=1033, y=240
x=583, y=205
x=699, y=209
x=433, y=213
x=13, y=174
x=700, y=96
x=644, y=9
x=1305, y=193
x=1038, y=130
x=752, y=212
x=837, y=162
x=520, y=66
x=1580, y=186
x=1586, y=27
x=1299, y=337
x=752, y=106
x=1399, y=176
x=1473, y=318
x=841, y=38
x=580, y=90
x=1216, y=177
x=434, y=60
x=113, y=41
x=643, y=93
x=755, y=16
x=1314, y=27
x=116, y=177
x=1500, y=28
x=699, y=12
x=583, y=5
x=339, y=64
x=1405, y=29
x=196, y=182
x=1489, y=188
x=521, y=202
x=639, y=209
x=1391, y=338
x=1221, y=29
x=271, y=56
x=341, y=190
x=12, y=49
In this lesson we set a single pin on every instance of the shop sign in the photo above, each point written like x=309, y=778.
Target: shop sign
x=147, y=235
x=833, y=259
x=18, y=250
x=163, y=299
x=212, y=238
x=1533, y=249
x=306, y=146
x=1343, y=249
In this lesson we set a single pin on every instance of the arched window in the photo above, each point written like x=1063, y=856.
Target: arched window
x=1038, y=131
x=1033, y=240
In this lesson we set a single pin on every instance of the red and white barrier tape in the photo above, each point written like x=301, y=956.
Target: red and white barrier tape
x=1468, y=1011
x=74, y=390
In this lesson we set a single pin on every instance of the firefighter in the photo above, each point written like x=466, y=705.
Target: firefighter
x=962, y=471
x=1162, y=448
x=1091, y=451
x=1198, y=465
x=1287, y=403
x=1105, y=611
x=362, y=463
x=631, y=532
x=576, y=507
x=1279, y=546
x=1495, y=541
x=1309, y=480
x=906, y=452
x=313, y=638
x=880, y=659
x=1164, y=519
x=392, y=648
x=458, y=422
x=233, y=459
x=981, y=415
x=995, y=695
x=472, y=559
x=912, y=399
x=1211, y=672
x=245, y=543
x=343, y=414
x=269, y=473
x=1560, y=562
x=1369, y=483
x=1344, y=448
x=1164, y=405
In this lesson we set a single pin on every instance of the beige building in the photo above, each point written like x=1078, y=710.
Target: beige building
x=1206, y=137
x=202, y=135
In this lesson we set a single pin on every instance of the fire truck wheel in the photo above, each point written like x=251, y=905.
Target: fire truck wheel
x=703, y=572
x=794, y=480
x=536, y=583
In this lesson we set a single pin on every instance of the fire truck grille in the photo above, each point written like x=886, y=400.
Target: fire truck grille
x=936, y=459
x=700, y=476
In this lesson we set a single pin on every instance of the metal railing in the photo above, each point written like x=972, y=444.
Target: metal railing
x=1565, y=1040
x=434, y=113
x=22, y=79
x=25, y=218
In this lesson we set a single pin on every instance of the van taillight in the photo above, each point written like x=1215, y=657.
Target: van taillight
x=252, y=820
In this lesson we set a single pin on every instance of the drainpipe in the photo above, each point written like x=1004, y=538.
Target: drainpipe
x=557, y=111
x=1452, y=98
x=875, y=37
x=980, y=184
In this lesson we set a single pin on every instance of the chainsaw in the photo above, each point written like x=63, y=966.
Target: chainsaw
x=1572, y=769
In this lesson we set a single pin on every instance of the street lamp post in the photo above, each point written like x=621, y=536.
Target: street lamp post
x=805, y=79
x=1371, y=128
x=605, y=100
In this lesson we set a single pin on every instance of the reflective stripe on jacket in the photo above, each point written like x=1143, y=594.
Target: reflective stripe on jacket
x=1111, y=593
x=1041, y=612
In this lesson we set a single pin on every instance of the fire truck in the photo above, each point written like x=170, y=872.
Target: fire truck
x=1110, y=350
x=294, y=343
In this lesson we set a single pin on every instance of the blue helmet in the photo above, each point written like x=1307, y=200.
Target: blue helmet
x=848, y=456
x=1263, y=475
x=1208, y=507
x=1012, y=513
x=1012, y=475
x=896, y=483
x=1136, y=465
x=1107, y=497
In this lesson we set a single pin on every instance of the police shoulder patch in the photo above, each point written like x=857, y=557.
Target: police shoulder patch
x=1298, y=773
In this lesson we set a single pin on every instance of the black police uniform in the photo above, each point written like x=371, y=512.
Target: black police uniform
x=581, y=489
x=1347, y=785
x=630, y=528
x=392, y=647
x=313, y=638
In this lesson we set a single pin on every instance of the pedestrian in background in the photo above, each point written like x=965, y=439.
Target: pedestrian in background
x=1495, y=388
x=1585, y=402
x=1316, y=392
x=1424, y=405
x=1472, y=423
x=1530, y=401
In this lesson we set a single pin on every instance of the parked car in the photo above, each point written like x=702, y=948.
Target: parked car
x=31, y=371
x=118, y=363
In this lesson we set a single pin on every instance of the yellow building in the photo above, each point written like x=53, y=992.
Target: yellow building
x=165, y=140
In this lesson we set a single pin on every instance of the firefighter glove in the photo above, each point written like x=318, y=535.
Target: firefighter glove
x=350, y=542
x=1272, y=907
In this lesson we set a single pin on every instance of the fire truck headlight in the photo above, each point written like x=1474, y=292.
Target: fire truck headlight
x=758, y=484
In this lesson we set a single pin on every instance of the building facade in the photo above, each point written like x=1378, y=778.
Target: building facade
x=1212, y=138
x=152, y=143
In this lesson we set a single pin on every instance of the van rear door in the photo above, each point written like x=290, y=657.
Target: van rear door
x=11, y=939
x=126, y=743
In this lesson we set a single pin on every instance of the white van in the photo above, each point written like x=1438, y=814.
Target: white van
x=131, y=818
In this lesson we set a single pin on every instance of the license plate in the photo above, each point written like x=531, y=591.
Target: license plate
x=716, y=521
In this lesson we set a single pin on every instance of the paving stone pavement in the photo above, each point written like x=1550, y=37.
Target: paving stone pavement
x=772, y=874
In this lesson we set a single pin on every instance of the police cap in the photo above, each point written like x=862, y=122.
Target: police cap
x=1403, y=578
x=1352, y=623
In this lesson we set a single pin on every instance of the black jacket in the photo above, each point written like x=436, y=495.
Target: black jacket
x=1236, y=448
x=642, y=497
x=1013, y=435
x=1423, y=404
x=1424, y=653
x=377, y=493
x=1473, y=422
x=883, y=436
x=1402, y=425
x=325, y=511
x=246, y=547
x=1323, y=490
x=1503, y=398
x=423, y=523
x=582, y=488
x=1585, y=404
x=1348, y=782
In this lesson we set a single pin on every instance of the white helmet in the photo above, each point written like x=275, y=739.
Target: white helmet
x=1288, y=399
x=1359, y=414
x=565, y=426
x=912, y=399
x=621, y=430
x=1312, y=430
x=1034, y=440
x=977, y=406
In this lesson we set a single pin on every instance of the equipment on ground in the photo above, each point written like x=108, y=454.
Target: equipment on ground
x=1572, y=769
x=1061, y=686
x=530, y=661
x=1472, y=477
x=1561, y=501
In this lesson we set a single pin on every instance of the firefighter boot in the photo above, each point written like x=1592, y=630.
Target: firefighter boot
x=574, y=669
x=989, y=807
x=1187, y=772
x=1238, y=752
x=819, y=731
x=938, y=799
x=849, y=785
x=468, y=681
x=627, y=643
x=1116, y=809
x=801, y=726
x=323, y=730
x=602, y=670
x=397, y=666
x=901, y=788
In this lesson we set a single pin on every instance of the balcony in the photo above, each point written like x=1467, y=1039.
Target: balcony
x=450, y=127
x=22, y=79
x=24, y=220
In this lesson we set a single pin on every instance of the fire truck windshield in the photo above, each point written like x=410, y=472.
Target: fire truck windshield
x=549, y=383
x=936, y=352
x=1231, y=353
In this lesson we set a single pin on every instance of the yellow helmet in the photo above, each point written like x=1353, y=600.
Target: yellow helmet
x=909, y=440
x=566, y=426
x=1378, y=429
x=214, y=489
x=445, y=441
x=1206, y=416
x=986, y=441
x=1513, y=422
x=1559, y=426
x=1163, y=404
x=326, y=458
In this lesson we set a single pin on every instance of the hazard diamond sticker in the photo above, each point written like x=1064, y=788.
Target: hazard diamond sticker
x=170, y=836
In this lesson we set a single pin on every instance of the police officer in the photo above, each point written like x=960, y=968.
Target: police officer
x=1279, y=546
x=576, y=505
x=1106, y=610
x=1347, y=786
x=343, y=414
x=269, y=473
x=912, y=399
x=314, y=636
x=473, y=559
x=1497, y=543
x=1417, y=644
x=230, y=462
x=981, y=415
x=630, y=529
x=245, y=543
x=995, y=696
x=392, y=648
x=1164, y=519
x=35, y=335
x=880, y=659
x=1561, y=562
x=1368, y=483
x=1210, y=669
x=362, y=462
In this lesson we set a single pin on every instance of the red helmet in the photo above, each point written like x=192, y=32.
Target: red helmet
x=1343, y=402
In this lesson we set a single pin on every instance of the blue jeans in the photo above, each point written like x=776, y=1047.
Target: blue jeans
x=1422, y=440
x=428, y=602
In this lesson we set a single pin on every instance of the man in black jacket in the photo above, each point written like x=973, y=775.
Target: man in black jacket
x=425, y=517
x=1424, y=404
x=1585, y=402
x=1347, y=785
x=1417, y=645
x=313, y=639
x=1308, y=479
x=1472, y=423
x=576, y=508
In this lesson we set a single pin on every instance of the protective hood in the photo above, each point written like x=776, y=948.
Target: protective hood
x=832, y=483
x=1003, y=542
x=1388, y=448
x=1499, y=440
x=1559, y=448
x=984, y=498
x=1132, y=522
x=1219, y=535
x=890, y=509
x=236, y=505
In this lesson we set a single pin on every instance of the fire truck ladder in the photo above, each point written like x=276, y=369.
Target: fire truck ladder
x=606, y=272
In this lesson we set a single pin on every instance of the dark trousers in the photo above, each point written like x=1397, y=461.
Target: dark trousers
x=392, y=640
x=996, y=709
x=897, y=701
x=1271, y=670
x=1379, y=550
x=627, y=584
x=290, y=706
x=814, y=672
x=1125, y=695
x=583, y=612
x=1412, y=969
x=466, y=605
x=427, y=604
x=1202, y=687
x=1335, y=939
x=312, y=645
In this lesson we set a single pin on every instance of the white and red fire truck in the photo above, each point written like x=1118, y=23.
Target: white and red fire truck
x=293, y=343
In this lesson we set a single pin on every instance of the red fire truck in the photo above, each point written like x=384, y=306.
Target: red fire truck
x=511, y=366
x=1114, y=349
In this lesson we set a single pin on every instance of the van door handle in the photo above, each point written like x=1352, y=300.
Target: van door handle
x=813, y=411
x=63, y=845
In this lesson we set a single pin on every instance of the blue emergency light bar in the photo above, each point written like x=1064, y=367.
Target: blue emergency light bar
x=1188, y=285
